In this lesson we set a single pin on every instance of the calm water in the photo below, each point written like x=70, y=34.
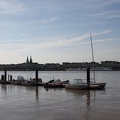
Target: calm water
x=38, y=103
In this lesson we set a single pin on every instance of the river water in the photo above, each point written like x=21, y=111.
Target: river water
x=38, y=103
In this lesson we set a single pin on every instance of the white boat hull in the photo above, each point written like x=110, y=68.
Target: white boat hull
x=77, y=87
x=95, y=85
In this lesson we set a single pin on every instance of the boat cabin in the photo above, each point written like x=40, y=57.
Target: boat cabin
x=78, y=81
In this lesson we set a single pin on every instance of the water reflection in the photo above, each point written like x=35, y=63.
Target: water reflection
x=60, y=104
x=79, y=103
x=89, y=95
x=88, y=98
x=14, y=90
x=46, y=98
x=4, y=89
x=53, y=89
x=37, y=94
x=82, y=93
x=33, y=90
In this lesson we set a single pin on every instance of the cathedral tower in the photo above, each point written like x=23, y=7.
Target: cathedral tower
x=27, y=61
x=30, y=59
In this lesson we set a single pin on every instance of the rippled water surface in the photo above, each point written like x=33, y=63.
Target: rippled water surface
x=38, y=103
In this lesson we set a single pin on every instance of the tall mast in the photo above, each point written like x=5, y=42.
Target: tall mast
x=92, y=57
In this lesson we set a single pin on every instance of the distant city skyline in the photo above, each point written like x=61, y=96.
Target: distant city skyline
x=53, y=31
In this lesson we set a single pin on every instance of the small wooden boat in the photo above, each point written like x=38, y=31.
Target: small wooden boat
x=56, y=84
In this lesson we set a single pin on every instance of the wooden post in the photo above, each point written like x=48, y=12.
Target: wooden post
x=2, y=77
x=88, y=77
x=10, y=77
x=36, y=75
x=5, y=75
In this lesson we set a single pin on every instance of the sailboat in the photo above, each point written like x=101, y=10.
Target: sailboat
x=81, y=85
x=94, y=84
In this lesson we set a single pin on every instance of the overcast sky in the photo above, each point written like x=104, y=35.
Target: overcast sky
x=56, y=31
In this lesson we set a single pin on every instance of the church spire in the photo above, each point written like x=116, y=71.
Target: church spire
x=27, y=61
x=30, y=59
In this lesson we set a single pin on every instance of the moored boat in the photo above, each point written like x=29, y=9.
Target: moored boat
x=33, y=82
x=4, y=82
x=39, y=81
x=29, y=83
x=77, y=84
x=96, y=85
x=81, y=85
x=18, y=81
x=56, y=83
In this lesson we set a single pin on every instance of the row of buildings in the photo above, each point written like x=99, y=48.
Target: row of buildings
x=30, y=65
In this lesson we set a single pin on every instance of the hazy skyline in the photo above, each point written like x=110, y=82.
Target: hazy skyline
x=56, y=31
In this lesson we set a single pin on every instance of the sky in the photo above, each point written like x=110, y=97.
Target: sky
x=57, y=31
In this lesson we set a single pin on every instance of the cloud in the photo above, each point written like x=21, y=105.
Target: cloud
x=84, y=39
x=103, y=32
x=66, y=42
x=113, y=14
x=102, y=9
x=49, y=20
x=103, y=14
x=43, y=21
x=56, y=43
x=11, y=6
x=101, y=4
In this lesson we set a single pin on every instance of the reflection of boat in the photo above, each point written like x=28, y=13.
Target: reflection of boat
x=77, y=84
x=56, y=83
